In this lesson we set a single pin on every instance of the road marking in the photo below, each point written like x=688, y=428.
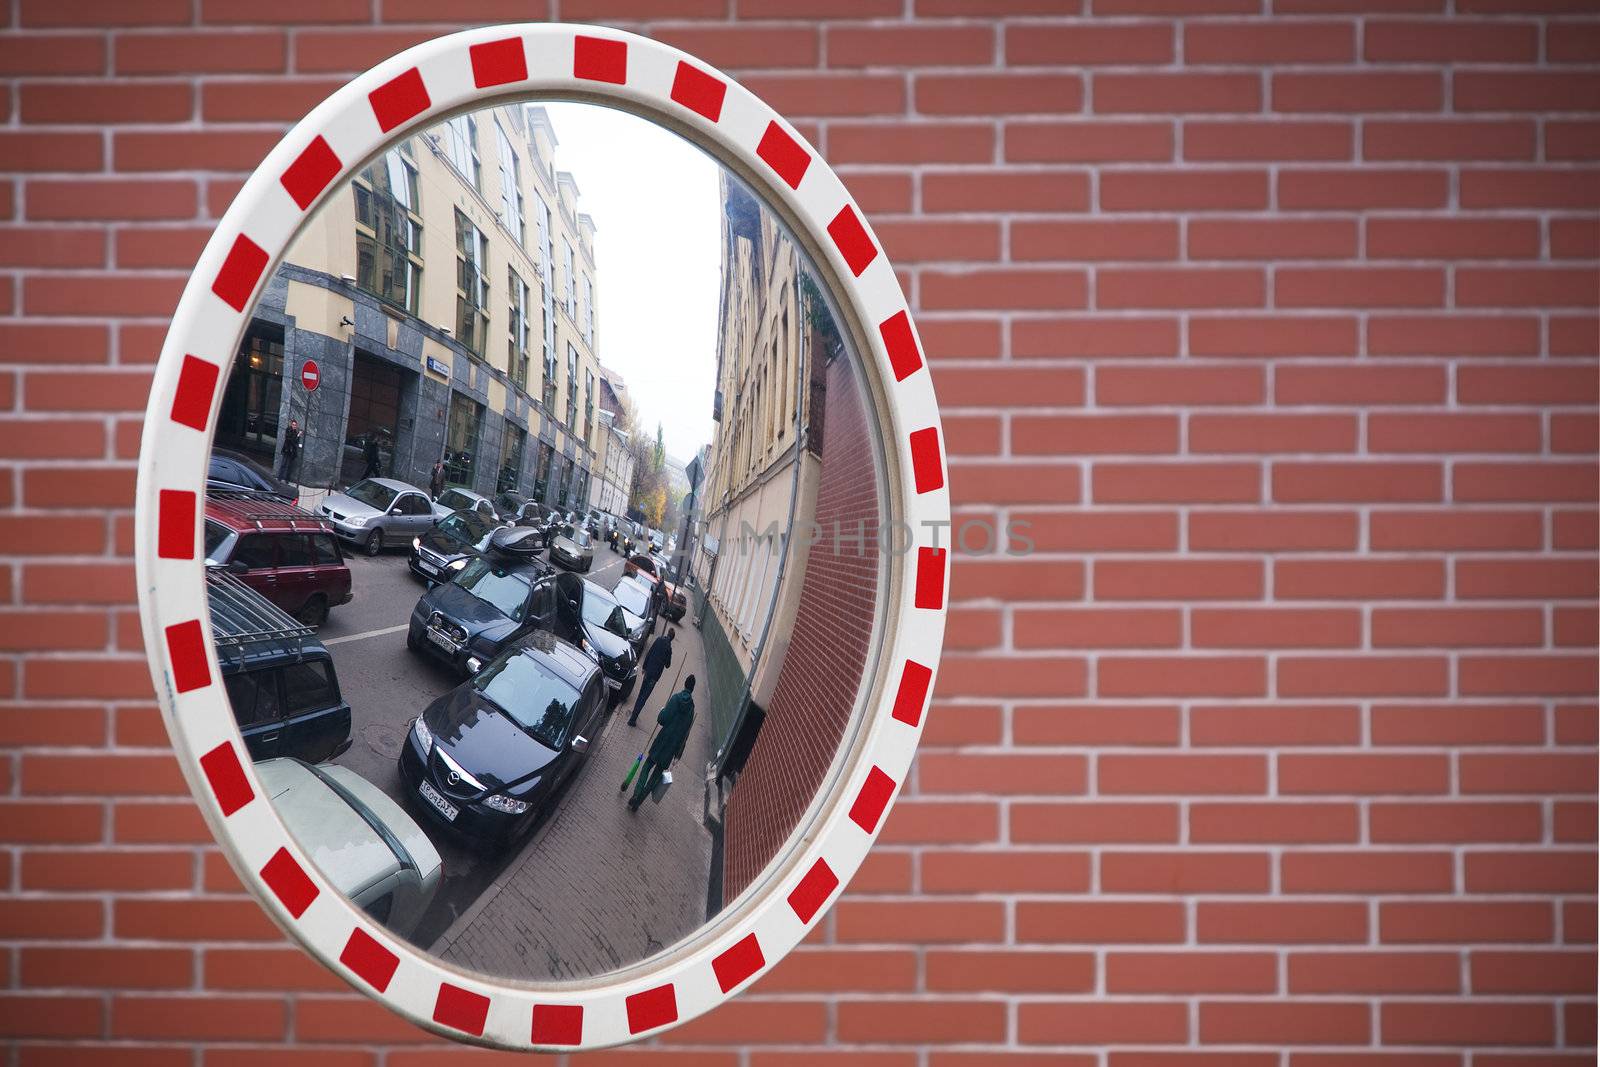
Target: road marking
x=369, y=633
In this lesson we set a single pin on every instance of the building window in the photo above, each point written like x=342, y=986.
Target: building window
x=463, y=141
x=572, y=387
x=511, y=445
x=588, y=403
x=389, y=232
x=472, y=285
x=588, y=311
x=546, y=253
x=541, y=473
x=510, y=186
x=461, y=439
x=571, y=282
x=517, y=342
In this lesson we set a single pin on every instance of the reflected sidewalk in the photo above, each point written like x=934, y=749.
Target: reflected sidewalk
x=598, y=888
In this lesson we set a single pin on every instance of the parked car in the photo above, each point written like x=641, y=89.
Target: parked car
x=518, y=510
x=286, y=554
x=572, y=546
x=443, y=549
x=361, y=841
x=230, y=470
x=279, y=678
x=490, y=756
x=636, y=625
x=490, y=602
x=379, y=512
x=458, y=499
x=640, y=562
x=676, y=604
x=635, y=598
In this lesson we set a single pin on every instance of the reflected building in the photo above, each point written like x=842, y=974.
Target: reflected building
x=447, y=297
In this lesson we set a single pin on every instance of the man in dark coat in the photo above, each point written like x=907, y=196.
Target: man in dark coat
x=372, y=455
x=436, y=481
x=658, y=659
x=676, y=719
x=291, y=449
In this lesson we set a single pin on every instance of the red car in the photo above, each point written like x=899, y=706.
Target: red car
x=288, y=555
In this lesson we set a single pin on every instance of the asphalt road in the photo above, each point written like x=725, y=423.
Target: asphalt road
x=387, y=687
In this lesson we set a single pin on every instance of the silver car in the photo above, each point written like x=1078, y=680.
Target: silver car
x=572, y=547
x=361, y=841
x=378, y=512
x=458, y=499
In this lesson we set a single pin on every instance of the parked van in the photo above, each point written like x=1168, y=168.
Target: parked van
x=279, y=677
x=288, y=555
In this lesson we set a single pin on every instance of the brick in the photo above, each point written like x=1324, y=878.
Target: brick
x=1167, y=94
x=1566, y=871
x=1464, y=433
x=188, y=53
x=1366, y=775
x=1274, y=627
x=1099, y=922
x=1178, y=579
x=1095, y=434
x=1094, y=822
x=1509, y=971
x=1012, y=483
x=1349, y=91
x=1271, y=141
x=96, y=103
x=1574, y=335
x=289, y=12
x=926, y=821
x=100, y=775
x=1529, y=774
x=1280, y=922
x=1089, y=628
x=914, y=242
x=1053, y=676
x=1005, y=774
x=1358, y=579
x=1266, y=43
x=1453, y=335
x=115, y=968
x=1192, y=386
x=322, y=51
x=1096, y=336
x=1183, y=190
x=1572, y=139
x=1534, y=482
x=1013, y=580
x=1454, y=41
x=1296, y=238
x=1256, y=1022
x=990, y=871
x=56, y=54
x=1575, y=238
x=251, y=100
x=1374, y=972
x=1162, y=774
x=1010, y=972
x=1190, y=972
x=1454, y=922
x=1474, y=530
x=924, y=1021
x=1093, y=240
x=1092, y=1022
x=993, y=191
x=1179, y=287
x=1455, y=628
x=52, y=919
x=1510, y=188
x=1000, y=288
x=901, y=142
x=810, y=970
x=1478, y=1022
x=139, y=150
x=1526, y=578
x=1455, y=822
x=1256, y=434
x=1380, y=287
x=1575, y=627
x=1361, y=189
x=910, y=46
x=101, y=295
x=1575, y=529
x=1222, y=676
x=1521, y=90
x=1278, y=725
x=88, y=871
x=1356, y=482
x=1272, y=530
x=1526, y=287
x=1081, y=45
x=1386, y=140
x=1365, y=386
x=50, y=822
x=52, y=246
x=26, y=1016
x=998, y=94
x=1185, y=872
x=1357, y=676
x=1429, y=238
x=918, y=921
x=1099, y=725
x=1088, y=141
x=152, y=1016
x=26, y=150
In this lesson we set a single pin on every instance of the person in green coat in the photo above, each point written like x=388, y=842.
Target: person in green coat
x=675, y=721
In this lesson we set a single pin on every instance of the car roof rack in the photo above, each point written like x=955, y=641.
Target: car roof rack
x=240, y=616
x=257, y=508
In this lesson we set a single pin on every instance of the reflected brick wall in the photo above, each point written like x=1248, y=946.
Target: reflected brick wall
x=1275, y=318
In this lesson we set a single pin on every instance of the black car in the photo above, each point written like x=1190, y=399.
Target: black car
x=230, y=470
x=518, y=510
x=280, y=679
x=438, y=553
x=488, y=757
x=490, y=602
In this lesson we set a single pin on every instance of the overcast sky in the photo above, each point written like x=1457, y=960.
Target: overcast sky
x=657, y=215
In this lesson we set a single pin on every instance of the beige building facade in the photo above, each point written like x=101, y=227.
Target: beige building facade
x=448, y=298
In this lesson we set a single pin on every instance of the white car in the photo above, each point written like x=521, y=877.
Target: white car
x=457, y=499
x=361, y=841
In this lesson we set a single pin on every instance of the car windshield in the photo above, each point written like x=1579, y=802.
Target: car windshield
x=576, y=536
x=372, y=494
x=455, y=498
x=530, y=696
x=504, y=590
x=633, y=597
x=467, y=526
x=600, y=610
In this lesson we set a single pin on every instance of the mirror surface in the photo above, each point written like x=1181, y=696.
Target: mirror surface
x=545, y=466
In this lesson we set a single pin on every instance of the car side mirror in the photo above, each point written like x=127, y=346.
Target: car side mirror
x=580, y=744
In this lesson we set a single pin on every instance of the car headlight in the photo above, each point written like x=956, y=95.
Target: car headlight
x=456, y=565
x=416, y=543
x=509, y=805
x=424, y=736
x=356, y=520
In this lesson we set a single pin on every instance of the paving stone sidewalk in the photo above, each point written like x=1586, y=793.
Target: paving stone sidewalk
x=598, y=888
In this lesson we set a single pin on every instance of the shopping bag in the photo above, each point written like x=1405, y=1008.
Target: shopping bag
x=660, y=788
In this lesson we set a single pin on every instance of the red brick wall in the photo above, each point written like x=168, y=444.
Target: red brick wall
x=1281, y=332
x=821, y=671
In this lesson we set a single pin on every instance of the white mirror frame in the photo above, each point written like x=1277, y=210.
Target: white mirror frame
x=402, y=95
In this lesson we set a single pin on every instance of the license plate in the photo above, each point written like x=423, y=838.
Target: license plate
x=441, y=640
x=447, y=809
x=612, y=683
x=425, y=565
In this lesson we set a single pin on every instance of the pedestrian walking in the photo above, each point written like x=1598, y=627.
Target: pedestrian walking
x=674, y=723
x=372, y=455
x=436, y=480
x=291, y=450
x=658, y=659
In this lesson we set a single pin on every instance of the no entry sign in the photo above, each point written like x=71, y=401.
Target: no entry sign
x=310, y=376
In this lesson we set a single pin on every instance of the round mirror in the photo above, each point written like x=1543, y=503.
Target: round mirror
x=541, y=509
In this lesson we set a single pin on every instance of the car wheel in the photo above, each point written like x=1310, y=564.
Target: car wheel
x=374, y=543
x=314, y=612
x=411, y=641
